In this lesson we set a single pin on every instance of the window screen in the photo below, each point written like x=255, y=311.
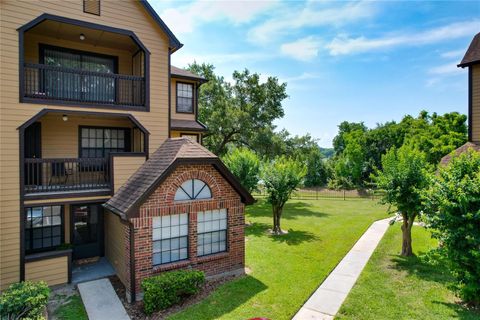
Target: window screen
x=212, y=232
x=184, y=97
x=43, y=228
x=170, y=238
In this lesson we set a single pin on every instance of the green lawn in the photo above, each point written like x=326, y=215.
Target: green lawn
x=393, y=287
x=73, y=309
x=286, y=269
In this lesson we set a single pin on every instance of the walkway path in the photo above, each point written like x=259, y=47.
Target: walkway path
x=327, y=299
x=101, y=301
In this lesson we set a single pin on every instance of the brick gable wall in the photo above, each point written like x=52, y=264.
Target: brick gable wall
x=161, y=202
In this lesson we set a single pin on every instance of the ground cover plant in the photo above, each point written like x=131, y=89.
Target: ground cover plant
x=284, y=270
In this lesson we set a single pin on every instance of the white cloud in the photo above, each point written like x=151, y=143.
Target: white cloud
x=287, y=20
x=344, y=45
x=186, y=18
x=446, y=69
x=453, y=54
x=304, y=49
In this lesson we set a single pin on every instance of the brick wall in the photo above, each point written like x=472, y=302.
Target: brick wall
x=161, y=203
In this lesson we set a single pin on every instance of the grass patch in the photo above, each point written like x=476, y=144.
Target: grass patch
x=394, y=287
x=72, y=309
x=286, y=269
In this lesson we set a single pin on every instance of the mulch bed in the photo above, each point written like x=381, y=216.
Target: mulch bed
x=135, y=310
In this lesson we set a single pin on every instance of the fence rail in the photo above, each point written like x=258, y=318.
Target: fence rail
x=324, y=193
x=66, y=174
x=47, y=82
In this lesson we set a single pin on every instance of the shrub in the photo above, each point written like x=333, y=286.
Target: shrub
x=166, y=289
x=24, y=300
x=452, y=210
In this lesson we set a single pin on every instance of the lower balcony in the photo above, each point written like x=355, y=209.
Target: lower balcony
x=47, y=176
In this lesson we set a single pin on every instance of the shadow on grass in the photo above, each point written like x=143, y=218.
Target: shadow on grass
x=461, y=311
x=293, y=237
x=224, y=299
x=418, y=267
x=291, y=210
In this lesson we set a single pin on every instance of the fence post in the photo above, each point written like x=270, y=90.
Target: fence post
x=316, y=193
x=343, y=194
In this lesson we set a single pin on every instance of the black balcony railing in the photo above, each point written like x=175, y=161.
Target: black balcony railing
x=63, y=175
x=45, y=82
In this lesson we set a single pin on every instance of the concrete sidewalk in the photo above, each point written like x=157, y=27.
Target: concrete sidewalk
x=328, y=298
x=101, y=302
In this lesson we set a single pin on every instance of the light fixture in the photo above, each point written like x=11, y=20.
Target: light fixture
x=82, y=36
x=65, y=117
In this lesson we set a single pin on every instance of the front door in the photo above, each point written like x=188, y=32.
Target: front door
x=33, y=150
x=87, y=233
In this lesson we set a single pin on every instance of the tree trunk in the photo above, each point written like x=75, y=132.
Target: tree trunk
x=277, y=212
x=407, y=235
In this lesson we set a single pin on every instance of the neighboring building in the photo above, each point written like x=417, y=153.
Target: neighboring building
x=89, y=165
x=471, y=60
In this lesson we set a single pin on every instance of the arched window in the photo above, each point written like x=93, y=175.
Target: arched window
x=193, y=189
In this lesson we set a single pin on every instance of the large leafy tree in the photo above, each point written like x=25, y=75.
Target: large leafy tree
x=236, y=112
x=345, y=128
x=245, y=165
x=317, y=170
x=452, y=210
x=403, y=178
x=281, y=177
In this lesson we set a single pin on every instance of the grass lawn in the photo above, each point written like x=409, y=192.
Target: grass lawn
x=286, y=269
x=394, y=287
x=72, y=309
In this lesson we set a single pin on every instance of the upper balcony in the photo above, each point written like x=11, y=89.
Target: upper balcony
x=74, y=63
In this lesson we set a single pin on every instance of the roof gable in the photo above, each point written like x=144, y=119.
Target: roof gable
x=472, y=55
x=172, y=153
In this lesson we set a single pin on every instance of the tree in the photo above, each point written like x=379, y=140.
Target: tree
x=317, y=172
x=345, y=127
x=236, y=112
x=452, y=210
x=245, y=165
x=281, y=177
x=403, y=177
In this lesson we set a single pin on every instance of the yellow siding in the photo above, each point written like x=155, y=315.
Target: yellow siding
x=177, y=134
x=60, y=138
x=123, y=14
x=54, y=271
x=123, y=168
x=175, y=115
x=476, y=103
x=115, y=247
x=66, y=200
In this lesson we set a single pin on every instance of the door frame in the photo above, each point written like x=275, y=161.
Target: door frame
x=101, y=219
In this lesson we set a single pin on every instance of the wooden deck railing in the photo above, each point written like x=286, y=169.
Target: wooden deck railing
x=68, y=174
x=45, y=82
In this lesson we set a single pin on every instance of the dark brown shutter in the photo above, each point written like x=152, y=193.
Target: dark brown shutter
x=91, y=6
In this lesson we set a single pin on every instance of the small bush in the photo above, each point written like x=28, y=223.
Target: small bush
x=162, y=291
x=24, y=300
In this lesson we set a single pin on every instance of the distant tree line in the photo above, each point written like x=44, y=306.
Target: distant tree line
x=241, y=113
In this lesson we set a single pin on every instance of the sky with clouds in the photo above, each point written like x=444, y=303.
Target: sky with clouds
x=355, y=61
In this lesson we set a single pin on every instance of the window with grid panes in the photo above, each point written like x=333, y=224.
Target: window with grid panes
x=43, y=228
x=193, y=189
x=212, y=232
x=99, y=142
x=184, y=97
x=170, y=238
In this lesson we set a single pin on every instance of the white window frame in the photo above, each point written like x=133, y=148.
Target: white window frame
x=170, y=238
x=211, y=225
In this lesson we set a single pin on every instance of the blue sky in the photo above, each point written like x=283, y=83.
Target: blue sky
x=354, y=61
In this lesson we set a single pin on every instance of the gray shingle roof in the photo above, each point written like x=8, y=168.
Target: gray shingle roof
x=147, y=178
x=473, y=53
x=187, y=124
x=469, y=145
x=175, y=71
